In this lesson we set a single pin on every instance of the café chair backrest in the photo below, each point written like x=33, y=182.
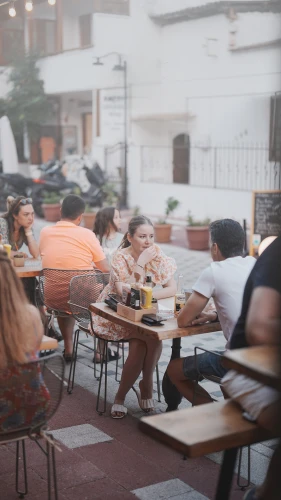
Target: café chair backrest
x=30, y=393
x=54, y=287
x=85, y=290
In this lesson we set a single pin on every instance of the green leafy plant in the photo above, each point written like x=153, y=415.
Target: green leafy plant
x=171, y=205
x=51, y=198
x=89, y=209
x=136, y=210
x=111, y=197
x=193, y=222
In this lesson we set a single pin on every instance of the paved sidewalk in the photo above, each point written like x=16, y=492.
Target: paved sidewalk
x=122, y=462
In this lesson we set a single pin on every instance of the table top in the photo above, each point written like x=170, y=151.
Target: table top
x=260, y=363
x=48, y=344
x=31, y=268
x=169, y=330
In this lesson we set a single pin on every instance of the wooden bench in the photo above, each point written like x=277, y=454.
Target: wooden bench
x=205, y=429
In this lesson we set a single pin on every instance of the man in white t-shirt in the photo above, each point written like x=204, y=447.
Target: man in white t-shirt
x=224, y=280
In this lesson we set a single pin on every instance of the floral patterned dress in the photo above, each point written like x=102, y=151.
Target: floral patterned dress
x=162, y=269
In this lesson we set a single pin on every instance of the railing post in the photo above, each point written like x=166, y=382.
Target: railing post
x=215, y=167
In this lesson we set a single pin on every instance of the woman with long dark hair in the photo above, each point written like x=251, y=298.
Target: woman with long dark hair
x=16, y=225
x=107, y=230
x=137, y=256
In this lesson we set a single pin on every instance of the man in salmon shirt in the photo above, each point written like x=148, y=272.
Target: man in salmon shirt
x=66, y=245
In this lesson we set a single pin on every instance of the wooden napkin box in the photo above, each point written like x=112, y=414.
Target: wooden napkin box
x=133, y=314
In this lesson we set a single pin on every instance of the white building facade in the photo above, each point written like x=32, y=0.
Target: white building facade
x=202, y=84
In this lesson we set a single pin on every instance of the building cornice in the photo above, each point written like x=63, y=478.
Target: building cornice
x=215, y=8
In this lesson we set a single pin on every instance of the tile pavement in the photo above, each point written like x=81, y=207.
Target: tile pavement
x=104, y=458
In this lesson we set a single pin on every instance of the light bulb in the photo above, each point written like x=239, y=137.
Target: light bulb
x=12, y=10
x=52, y=2
x=29, y=5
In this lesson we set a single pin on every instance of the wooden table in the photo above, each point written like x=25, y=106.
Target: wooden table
x=48, y=344
x=169, y=330
x=260, y=363
x=31, y=269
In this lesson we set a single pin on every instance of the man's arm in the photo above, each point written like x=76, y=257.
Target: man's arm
x=103, y=266
x=263, y=320
x=192, y=308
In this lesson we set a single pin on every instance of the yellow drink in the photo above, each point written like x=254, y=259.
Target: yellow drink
x=146, y=297
x=8, y=248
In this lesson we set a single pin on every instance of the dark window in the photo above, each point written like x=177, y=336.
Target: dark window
x=11, y=42
x=43, y=36
x=85, y=26
x=181, y=154
x=275, y=128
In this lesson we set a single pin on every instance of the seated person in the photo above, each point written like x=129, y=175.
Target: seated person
x=107, y=230
x=24, y=398
x=16, y=229
x=224, y=280
x=258, y=324
x=137, y=256
x=66, y=245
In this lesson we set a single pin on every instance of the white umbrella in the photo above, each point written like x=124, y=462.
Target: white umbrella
x=8, y=150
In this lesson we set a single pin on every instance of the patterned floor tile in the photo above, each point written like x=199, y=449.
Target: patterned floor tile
x=165, y=490
x=80, y=435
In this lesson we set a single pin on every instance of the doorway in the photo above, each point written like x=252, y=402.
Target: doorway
x=181, y=159
x=87, y=123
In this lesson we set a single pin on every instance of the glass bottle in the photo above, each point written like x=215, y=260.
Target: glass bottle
x=180, y=296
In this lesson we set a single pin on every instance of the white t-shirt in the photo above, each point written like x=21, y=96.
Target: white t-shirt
x=225, y=282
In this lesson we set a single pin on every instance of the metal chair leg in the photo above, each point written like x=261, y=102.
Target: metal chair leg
x=73, y=362
x=158, y=384
x=244, y=486
x=117, y=363
x=54, y=473
x=103, y=365
x=95, y=363
x=21, y=493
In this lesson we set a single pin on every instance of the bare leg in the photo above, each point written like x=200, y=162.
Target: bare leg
x=66, y=327
x=185, y=386
x=131, y=370
x=153, y=353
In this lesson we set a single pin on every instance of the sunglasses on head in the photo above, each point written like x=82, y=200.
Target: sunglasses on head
x=24, y=201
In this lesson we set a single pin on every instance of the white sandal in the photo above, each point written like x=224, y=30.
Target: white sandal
x=146, y=405
x=120, y=409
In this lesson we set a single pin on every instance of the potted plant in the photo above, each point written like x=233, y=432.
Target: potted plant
x=111, y=196
x=89, y=217
x=197, y=233
x=162, y=230
x=51, y=206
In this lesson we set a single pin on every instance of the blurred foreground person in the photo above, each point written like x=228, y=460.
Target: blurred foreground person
x=258, y=324
x=21, y=332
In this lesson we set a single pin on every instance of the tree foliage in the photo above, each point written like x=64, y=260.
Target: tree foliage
x=26, y=104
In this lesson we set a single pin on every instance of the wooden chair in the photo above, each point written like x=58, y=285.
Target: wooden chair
x=205, y=429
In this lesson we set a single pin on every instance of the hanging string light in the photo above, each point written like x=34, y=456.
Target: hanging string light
x=12, y=10
x=52, y=2
x=29, y=5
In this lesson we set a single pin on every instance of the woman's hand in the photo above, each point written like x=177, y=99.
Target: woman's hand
x=147, y=255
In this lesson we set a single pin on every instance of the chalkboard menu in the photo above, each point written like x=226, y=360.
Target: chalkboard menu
x=266, y=216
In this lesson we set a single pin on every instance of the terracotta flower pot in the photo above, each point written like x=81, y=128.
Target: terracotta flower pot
x=162, y=233
x=197, y=237
x=52, y=212
x=89, y=220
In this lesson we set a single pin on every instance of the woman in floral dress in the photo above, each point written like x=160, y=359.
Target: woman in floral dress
x=138, y=256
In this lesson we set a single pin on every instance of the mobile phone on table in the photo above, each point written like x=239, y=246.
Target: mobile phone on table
x=116, y=298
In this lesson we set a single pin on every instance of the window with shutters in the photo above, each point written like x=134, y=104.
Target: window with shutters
x=85, y=27
x=275, y=128
x=11, y=42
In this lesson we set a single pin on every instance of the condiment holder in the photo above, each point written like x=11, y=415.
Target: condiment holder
x=19, y=259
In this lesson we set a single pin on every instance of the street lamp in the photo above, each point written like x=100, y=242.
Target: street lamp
x=120, y=66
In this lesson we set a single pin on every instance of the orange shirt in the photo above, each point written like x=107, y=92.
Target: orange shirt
x=67, y=246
